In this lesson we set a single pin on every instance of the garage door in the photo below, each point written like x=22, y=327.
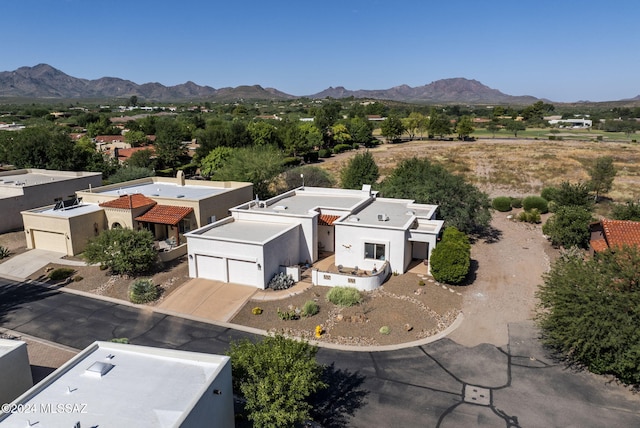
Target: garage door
x=49, y=241
x=242, y=272
x=209, y=267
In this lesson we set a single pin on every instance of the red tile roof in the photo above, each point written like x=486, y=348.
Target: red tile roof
x=127, y=202
x=165, y=214
x=618, y=233
x=126, y=153
x=599, y=245
x=327, y=220
x=621, y=232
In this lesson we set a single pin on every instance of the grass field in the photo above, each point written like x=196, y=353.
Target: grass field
x=515, y=167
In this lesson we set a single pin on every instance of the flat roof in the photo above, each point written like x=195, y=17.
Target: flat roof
x=9, y=345
x=396, y=213
x=145, y=387
x=67, y=212
x=257, y=232
x=301, y=201
x=165, y=190
x=35, y=177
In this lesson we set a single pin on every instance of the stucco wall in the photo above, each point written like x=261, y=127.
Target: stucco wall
x=34, y=196
x=15, y=369
x=84, y=228
x=350, y=242
x=37, y=221
x=284, y=250
x=215, y=406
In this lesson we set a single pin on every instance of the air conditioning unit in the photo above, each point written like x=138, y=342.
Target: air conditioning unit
x=383, y=217
x=262, y=204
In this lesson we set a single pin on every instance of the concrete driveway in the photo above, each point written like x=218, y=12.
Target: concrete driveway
x=211, y=300
x=22, y=265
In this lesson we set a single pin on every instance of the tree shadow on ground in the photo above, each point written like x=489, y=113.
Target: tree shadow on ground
x=334, y=405
x=490, y=235
x=473, y=273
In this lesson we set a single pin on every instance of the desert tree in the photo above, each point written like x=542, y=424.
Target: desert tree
x=602, y=174
x=361, y=169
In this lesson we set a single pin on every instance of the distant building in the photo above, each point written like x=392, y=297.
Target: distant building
x=119, y=385
x=571, y=123
x=25, y=189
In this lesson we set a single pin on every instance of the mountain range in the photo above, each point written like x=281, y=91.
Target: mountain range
x=46, y=82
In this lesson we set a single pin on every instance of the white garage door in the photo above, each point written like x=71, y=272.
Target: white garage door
x=49, y=241
x=209, y=267
x=242, y=272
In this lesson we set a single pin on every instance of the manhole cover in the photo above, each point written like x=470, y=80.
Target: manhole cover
x=477, y=395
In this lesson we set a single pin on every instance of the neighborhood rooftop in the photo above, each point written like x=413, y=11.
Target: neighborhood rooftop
x=303, y=200
x=121, y=385
x=35, y=177
x=391, y=213
x=166, y=190
x=246, y=230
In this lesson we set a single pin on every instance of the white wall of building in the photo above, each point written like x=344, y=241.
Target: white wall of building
x=15, y=371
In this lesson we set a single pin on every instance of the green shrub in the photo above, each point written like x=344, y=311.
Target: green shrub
x=291, y=314
x=339, y=148
x=77, y=278
x=4, y=252
x=501, y=203
x=532, y=216
x=124, y=340
x=291, y=161
x=538, y=202
x=516, y=202
x=143, y=291
x=344, y=296
x=421, y=283
x=256, y=311
x=385, y=329
x=356, y=146
x=310, y=308
x=451, y=258
x=549, y=193
x=324, y=153
x=61, y=273
x=553, y=206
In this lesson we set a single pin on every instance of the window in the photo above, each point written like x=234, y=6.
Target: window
x=374, y=251
x=185, y=225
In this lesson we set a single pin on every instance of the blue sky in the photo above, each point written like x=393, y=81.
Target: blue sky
x=561, y=51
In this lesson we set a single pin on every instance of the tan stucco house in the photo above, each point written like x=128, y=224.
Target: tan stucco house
x=168, y=207
x=25, y=189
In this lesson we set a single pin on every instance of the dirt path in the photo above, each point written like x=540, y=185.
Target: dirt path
x=509, y=272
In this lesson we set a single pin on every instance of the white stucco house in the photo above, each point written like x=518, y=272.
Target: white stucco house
x=15, y=369
x=121, y=385
x=364, y=231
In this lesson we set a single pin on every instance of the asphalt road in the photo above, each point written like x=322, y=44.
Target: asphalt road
x=441, y=384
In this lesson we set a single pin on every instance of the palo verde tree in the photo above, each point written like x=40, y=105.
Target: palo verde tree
x=124, y=251
x=361, y=169
x=460, y=204
x=589, y=311
x=276, y=377
x=602, y=174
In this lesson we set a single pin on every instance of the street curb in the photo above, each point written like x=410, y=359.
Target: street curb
x=453, y=326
